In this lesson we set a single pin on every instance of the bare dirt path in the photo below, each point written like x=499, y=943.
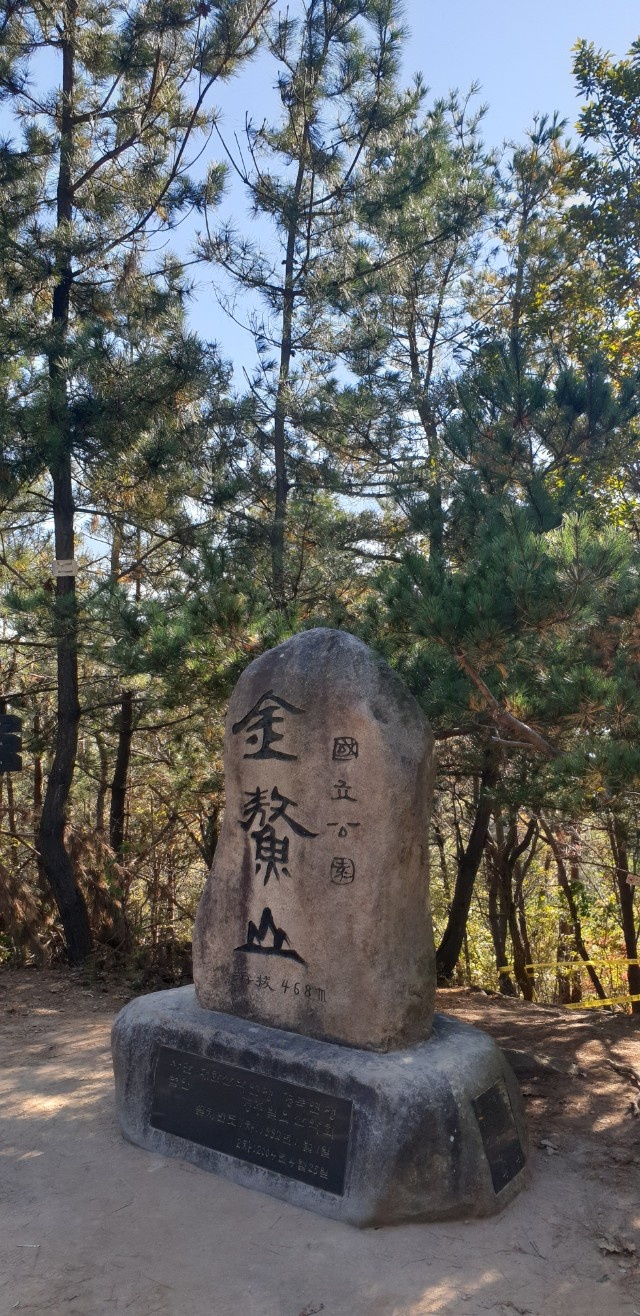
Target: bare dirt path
x=90, y=1225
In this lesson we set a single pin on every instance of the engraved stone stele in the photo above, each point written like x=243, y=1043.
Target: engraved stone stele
x=310, y=1064
x=315, y=916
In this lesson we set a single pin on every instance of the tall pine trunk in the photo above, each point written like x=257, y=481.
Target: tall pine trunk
x=51, y=837
x=421, y=377
x=448, y=951
x=498, y=922
x=278, y=529
x=568, y=978
x=618, y=839
x=567, y=891
x=508, y=851
x=117, y=812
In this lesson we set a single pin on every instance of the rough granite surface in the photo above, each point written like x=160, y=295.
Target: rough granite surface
x=415, y=1149
x=315, y=916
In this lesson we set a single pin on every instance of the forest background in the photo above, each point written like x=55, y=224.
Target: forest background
x=434, y=445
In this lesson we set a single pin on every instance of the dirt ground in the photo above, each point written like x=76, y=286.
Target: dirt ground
x=91, y=1225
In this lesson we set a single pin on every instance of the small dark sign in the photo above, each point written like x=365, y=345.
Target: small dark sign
x=502, y=1145
x=10, y=722
x=296, y=1131
x=10, y=743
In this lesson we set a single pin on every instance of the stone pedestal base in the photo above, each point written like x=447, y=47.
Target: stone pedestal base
x=429, y=1133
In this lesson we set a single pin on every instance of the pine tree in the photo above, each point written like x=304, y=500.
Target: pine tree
x=524, y=562
x=605, y=216
x=335, y=62
x=422, y=222
x=101, y=169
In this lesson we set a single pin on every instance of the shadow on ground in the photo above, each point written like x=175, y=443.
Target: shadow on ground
x=91, y=1225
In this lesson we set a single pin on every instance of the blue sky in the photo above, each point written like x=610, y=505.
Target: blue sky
x=519, y=53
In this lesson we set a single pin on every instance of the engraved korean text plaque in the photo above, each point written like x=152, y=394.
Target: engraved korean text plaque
x=499, y=1135
x=298, y=1132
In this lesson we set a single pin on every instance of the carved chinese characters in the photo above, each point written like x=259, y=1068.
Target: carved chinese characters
x=315, y=915
x=270, y=849
x=259, y=726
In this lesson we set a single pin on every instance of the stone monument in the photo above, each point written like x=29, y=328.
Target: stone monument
x=319, y=882
x=308, y=1062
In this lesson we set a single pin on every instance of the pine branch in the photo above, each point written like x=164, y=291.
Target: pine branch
x=527, y=733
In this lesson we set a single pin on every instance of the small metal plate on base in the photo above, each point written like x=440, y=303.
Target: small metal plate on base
x=296, y=1131
x=502, y=1145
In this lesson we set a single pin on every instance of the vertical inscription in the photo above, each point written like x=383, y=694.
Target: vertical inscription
x=270, y=818
x=272, y=821
x=343, y=870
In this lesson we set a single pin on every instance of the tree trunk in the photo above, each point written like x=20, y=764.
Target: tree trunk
x=37, y=771
x=422, y=370
x=55, y=859
x=209, y=832
x=567, y=891
x=498, y=922
x=619, y=840
x=44, y=888
x=521, y=916
x=278, y=529
x=11, y=809
x=520, y=869
x=102, y=784
x=509, y=851
x=449, y=949
x=439, y=840
x=51, y=838
x=117, y=812
x=520, y=955
x=462, y=980
x=568, y=978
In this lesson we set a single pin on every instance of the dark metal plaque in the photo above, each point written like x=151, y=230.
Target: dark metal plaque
x=296, y=1131
x=502, y=1145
